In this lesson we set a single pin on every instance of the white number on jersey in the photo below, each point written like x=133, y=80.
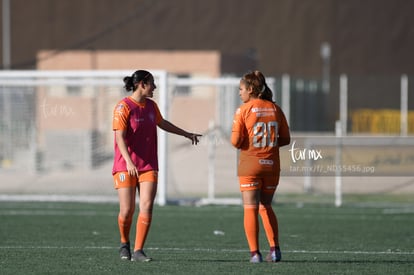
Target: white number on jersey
x=265, y=134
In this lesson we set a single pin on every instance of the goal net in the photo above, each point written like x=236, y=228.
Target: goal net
x=56, y=134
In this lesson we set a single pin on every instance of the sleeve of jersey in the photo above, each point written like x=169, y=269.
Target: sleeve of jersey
x=120, y=116
x=158, y=116
x=237, y=130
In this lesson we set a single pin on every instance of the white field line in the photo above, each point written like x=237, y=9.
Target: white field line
x=393, y=211
x=60, y=198
x=39, y=212
x=212, y=250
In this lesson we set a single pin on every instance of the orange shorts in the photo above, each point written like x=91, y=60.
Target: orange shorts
x=123, y=179
x=265, y=184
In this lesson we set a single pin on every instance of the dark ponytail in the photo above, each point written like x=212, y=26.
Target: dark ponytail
x=137, y=76
x=257, y=81
x=266, y=93
x=129, y=85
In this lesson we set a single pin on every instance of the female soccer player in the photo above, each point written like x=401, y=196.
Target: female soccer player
x=135, y=121
x=259, y=129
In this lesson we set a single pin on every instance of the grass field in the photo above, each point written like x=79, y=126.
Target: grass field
x=82, y=238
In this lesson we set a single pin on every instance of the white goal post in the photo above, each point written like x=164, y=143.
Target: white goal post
x=69, y=94
x=17, y=80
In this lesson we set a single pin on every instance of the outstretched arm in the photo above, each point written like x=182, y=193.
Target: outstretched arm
x=171, y=128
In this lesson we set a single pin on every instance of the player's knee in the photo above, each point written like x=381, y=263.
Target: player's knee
x=126, y=213
x=146, y=206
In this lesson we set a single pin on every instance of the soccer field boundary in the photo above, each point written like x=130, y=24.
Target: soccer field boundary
x=60, y=198
x=211, y=250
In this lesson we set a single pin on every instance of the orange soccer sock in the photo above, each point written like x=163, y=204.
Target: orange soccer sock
x=270, y=224
x=251, y=227
x=124, y=228
x=143, y=226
